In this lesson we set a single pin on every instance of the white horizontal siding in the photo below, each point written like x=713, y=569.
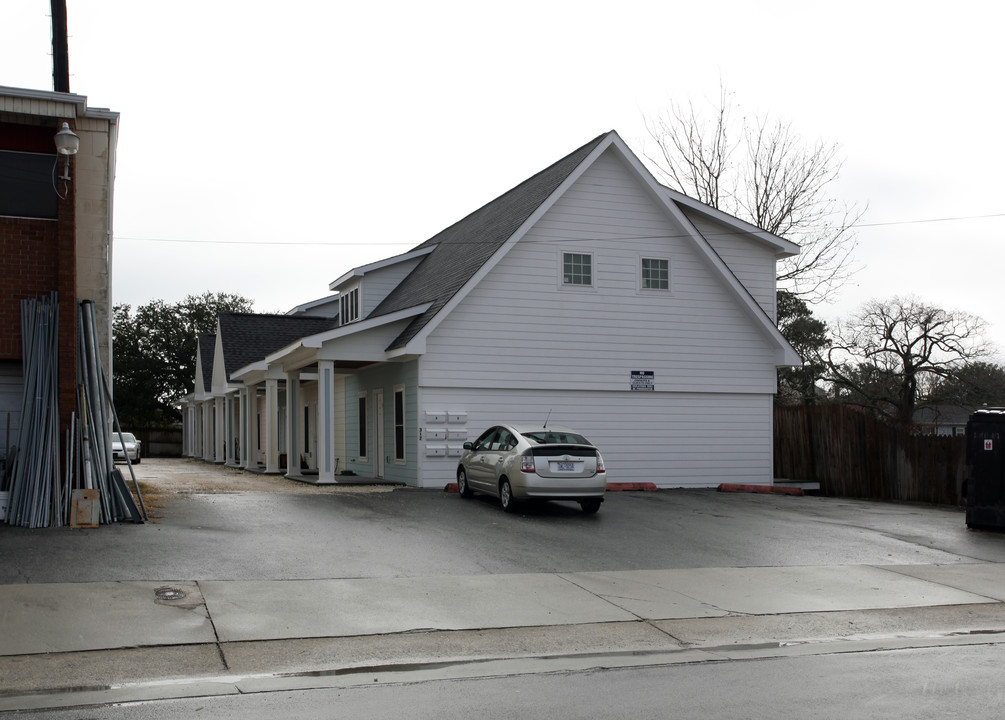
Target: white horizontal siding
x=670, y=439
x=752, y=262
x=519, y=328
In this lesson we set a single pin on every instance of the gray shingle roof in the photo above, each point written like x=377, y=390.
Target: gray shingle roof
x=465, y=246
x=943, y=414
x=207, y=349
x=248, y=338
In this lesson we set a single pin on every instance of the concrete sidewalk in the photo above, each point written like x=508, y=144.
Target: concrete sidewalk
x=73, y=617
x=110, y=638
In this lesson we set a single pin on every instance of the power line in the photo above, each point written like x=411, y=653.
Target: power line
x=343, y=243
x=930, y=220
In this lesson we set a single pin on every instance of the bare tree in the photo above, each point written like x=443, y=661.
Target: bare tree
x=890, y=353
x=760, y=171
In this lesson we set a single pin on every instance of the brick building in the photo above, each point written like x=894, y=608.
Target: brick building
x=55, y=230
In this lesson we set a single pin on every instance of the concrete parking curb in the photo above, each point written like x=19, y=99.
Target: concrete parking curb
x=626, y=486
x=611, y=487
x=762, y=489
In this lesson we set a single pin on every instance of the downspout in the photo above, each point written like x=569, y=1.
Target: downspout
x=113, y=143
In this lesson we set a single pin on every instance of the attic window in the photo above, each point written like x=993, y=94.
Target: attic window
x=577, y=269
x=655, y=274
x=349, y=306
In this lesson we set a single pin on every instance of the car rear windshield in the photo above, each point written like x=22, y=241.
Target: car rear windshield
x=553, y=437
x=128, y=437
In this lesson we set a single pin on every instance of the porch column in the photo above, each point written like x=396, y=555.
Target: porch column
x=292, y=420
x=186, y=425
x=250, y=418
x=208, y=415
x=272, y=426
x=325, y=421
x=193, y=429
x=242, y=428
x=196, y=430
x=231, y=435
x=220, y=431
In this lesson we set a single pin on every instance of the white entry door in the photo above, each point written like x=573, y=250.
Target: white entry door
x=378, y=403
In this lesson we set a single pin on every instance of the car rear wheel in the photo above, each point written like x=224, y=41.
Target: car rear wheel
x=590, y=506
x=137, y=460
x=506, y=496
x=463, y=489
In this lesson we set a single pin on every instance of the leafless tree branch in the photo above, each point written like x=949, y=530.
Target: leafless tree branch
x=768, y=177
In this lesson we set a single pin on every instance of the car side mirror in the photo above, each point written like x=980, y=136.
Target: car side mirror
x=468, y=446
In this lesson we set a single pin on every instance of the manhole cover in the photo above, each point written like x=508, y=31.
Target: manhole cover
x=169, y=593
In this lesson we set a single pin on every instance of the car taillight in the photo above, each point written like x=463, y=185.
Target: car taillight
x=600, y=464
x=527, y=463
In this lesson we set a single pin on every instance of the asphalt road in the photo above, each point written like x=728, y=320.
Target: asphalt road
x=407, y=532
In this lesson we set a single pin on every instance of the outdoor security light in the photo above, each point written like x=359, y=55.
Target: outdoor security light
x=67, y=143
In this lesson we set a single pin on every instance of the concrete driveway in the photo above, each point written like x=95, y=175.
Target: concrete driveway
x=213, y=523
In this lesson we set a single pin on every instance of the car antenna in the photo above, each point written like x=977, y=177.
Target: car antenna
x=547, y=418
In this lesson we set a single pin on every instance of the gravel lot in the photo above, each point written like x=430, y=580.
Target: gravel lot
x=163, y=478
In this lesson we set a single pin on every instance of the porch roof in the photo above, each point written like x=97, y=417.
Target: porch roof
x=305, y=349
x=247, y=337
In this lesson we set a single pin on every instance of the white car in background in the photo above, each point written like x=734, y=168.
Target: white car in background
x=130, y=449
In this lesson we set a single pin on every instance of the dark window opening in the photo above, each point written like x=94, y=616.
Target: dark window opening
x=27, y=185
x=399, y=424
x=362, y=426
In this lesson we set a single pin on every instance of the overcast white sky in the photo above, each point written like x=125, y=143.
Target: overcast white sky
x=267, y=148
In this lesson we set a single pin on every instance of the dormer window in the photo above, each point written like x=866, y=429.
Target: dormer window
x=349, y=306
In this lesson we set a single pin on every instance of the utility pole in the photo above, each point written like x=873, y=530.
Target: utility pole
x=60, y=51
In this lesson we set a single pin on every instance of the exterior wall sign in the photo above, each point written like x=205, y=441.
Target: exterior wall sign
x=643, y=380
x=989, y=445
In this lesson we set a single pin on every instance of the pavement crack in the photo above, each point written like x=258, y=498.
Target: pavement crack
x=601, y=597
x=216, y=634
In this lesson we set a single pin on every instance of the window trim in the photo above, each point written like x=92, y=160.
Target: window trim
x=669, y=288
x=400, y=428
x=349, y=305
x=307, y=429
x=562, y=284
x=362, y=439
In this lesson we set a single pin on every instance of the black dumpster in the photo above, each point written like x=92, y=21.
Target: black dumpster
x=985, y=489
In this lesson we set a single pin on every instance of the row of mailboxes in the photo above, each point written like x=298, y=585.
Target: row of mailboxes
x=445, y=441
x=440, y=418
x=434, y=434
x=444, y=450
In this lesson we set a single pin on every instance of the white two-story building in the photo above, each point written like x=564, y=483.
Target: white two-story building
x=589, y=294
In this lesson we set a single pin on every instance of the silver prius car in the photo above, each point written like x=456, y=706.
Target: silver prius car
x=533, y=462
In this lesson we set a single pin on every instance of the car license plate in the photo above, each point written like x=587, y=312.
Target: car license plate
x=566, y=467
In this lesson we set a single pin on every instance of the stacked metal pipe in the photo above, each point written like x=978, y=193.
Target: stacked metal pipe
x=37, y=497
x=96, y=416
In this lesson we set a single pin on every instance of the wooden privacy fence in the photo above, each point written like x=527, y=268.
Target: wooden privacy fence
x=159, y=442
x=852, y=454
